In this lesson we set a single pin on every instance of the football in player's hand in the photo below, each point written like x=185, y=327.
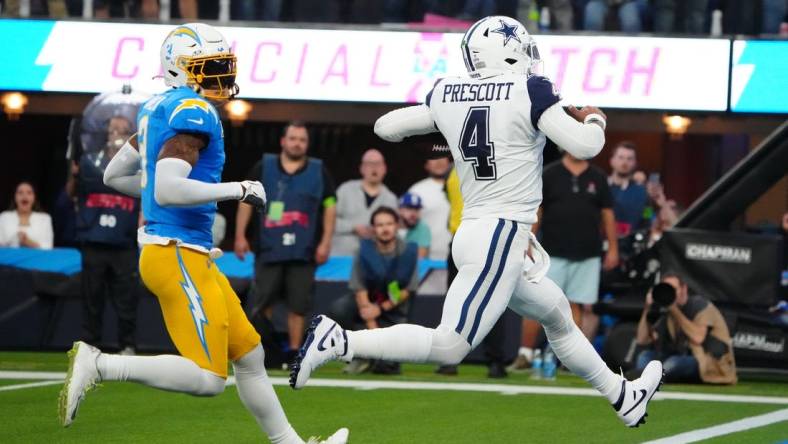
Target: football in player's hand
x=580, y=114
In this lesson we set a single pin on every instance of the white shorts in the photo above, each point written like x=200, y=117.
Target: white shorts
x=489, y=254
x=578, y=279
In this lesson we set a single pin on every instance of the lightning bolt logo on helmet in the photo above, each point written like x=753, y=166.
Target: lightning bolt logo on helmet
x=185, y=30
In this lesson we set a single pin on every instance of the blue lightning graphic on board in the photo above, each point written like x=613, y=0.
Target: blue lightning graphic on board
x=195, y=305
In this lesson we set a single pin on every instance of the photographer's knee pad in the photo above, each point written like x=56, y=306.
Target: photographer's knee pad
x=448, y=346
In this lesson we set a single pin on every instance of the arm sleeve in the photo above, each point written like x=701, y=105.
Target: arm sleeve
x=174, y=188
x=405, y=122
x=582, y=140
x=123, y=171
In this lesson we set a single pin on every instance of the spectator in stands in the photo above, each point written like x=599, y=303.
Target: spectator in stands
x=561, y=13
x=639, y=177
x=476, y=9
x=689, y=336
x=665, y=217
x=401, y=11
x=753, y=17
x=319, y=11
x=24, y=224
x=413, y=228
x=106, y=225
x=188, y=9
x=689, y=16
x=576, y=207
x=146, y=9
x=629, y=198
x=435, y=212
x=295, y=233
x=666, y=211
x=775, y=17
x=64, y=216
x=357, y=199
x=266, y=10
x=630, y=14
x=40, y=8
x=383, y=279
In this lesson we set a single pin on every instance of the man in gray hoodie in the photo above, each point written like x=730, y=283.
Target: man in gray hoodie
x=356, y=200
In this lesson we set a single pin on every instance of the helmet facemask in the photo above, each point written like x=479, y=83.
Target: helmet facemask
x=213, y=75
x=535, y=64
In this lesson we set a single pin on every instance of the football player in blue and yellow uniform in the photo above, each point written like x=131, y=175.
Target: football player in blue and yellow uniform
x=176, y=167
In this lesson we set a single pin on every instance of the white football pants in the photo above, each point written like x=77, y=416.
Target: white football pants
x=489, y=254
x=490, y=258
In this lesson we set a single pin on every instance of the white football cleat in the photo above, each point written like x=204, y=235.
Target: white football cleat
x=82, y=376
x=325, y=341
x=340, y=437
x=635, y=395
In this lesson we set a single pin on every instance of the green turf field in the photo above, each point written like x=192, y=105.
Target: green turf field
x=128, y=413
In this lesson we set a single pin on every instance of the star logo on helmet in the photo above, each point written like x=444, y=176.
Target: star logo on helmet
x=508, y=32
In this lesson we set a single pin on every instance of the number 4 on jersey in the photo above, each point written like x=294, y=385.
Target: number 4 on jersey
x=475, y=143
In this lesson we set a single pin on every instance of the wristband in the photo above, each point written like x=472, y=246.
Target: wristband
x=593, y=118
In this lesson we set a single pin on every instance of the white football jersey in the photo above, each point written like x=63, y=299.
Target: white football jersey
x=490, y=125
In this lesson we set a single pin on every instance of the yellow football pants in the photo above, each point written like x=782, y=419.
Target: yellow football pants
x=201, y=311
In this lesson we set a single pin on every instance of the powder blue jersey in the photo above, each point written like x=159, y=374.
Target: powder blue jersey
x=179, y=110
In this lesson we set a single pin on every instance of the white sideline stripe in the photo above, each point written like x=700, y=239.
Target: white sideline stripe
x=505, y=389
x=725, y=429
x=6, y=388
x=12, y=374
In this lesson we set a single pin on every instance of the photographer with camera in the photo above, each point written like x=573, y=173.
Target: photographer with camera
x=687, y=333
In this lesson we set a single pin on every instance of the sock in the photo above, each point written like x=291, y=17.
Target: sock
x=166, y=372
x=527, y=352
x=259, y=398
x=401, y=343
x=579, y=356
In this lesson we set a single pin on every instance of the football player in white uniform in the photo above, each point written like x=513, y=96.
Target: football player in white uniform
x=495, y=122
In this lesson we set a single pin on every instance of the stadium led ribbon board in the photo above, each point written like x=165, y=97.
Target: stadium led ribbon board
x=367, y=66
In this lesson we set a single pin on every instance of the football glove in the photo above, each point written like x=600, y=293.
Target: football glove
x=253, y=194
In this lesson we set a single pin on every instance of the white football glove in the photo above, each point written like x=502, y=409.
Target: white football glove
x=253, y=194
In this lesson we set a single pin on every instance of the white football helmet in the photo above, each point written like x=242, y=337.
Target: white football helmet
x=197, y=55
x=499, y=44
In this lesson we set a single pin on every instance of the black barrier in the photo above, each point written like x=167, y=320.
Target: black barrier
x=42, y=311
x=725, y=267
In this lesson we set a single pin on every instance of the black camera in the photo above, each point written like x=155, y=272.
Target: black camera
x=664, y=294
